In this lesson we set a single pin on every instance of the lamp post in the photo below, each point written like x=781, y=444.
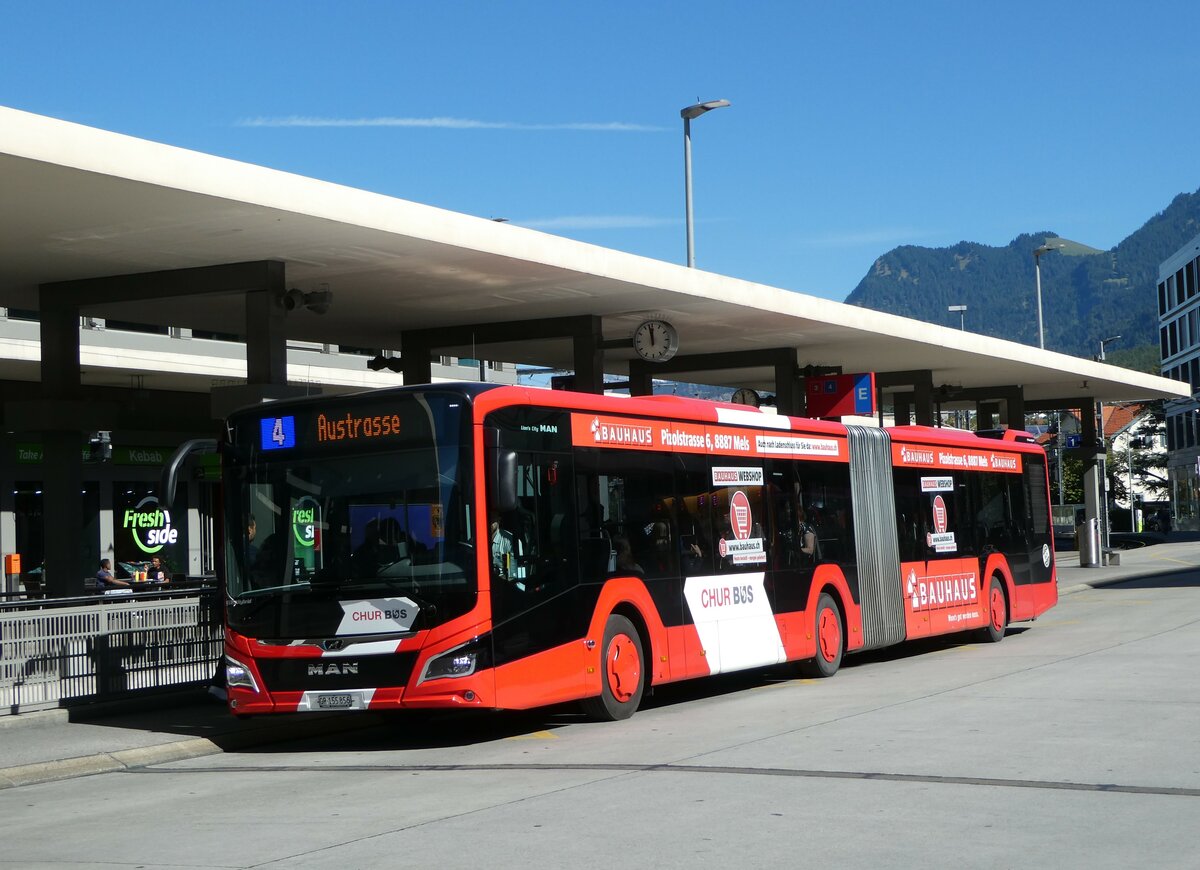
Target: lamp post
x=1104, y=453
x=962, y=315
x=1037, y=268
x=694, y=111
x=1129, y=478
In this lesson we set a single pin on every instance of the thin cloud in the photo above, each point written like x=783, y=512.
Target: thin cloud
x=887, y=236
x=446, y=124
x=597, y=222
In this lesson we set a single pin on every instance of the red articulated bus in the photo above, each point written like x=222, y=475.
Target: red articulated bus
x=476, y=546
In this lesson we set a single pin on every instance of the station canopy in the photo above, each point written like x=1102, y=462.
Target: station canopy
x=81, y=203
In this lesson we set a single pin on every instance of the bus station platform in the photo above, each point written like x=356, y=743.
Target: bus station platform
x=62, y=744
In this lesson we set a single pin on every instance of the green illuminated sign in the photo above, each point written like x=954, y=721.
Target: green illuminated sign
x=305, y=518
x=149, y=525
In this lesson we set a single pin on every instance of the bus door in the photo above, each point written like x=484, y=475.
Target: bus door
x=1037, y=564
x=537, y=614
x=938, y=552
x=911, y=530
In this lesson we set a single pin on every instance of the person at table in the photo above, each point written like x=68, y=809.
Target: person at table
x=106, y=578
x=158, y=571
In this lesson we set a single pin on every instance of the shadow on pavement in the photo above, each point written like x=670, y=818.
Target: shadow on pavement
x=1181, y=579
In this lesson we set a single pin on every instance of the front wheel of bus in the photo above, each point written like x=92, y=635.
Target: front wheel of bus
x=622, y=673
x=831, y=642
x=993, y=632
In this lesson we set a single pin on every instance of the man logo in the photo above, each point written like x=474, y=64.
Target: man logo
x=333, y=669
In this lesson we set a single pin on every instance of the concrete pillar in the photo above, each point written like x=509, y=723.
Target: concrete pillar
x=789, y=397
x=415, y=364
x=587, y=348
x=987, y=415
x=266, y=341
x=641, y=382
x=923, y=400
x=62, y=463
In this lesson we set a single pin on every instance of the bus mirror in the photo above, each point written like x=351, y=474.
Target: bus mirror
x=170, y=473
x=502, y=479
x=501, y=473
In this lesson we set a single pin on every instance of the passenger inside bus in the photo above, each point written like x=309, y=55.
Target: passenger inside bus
x=806, y=538
x=625, y=563
x=505, y=548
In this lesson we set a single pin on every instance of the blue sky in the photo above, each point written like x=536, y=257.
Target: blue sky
x=855, y=127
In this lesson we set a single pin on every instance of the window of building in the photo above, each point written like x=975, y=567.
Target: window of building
x=1162, y=298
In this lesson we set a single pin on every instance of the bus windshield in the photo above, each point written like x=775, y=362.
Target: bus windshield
x=349, y=517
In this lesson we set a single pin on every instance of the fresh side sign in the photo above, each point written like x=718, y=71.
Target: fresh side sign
x=149, y=525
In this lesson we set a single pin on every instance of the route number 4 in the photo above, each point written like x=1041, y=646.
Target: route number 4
x=277, y=433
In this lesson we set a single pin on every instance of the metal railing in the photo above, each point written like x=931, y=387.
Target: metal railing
x=57, y=651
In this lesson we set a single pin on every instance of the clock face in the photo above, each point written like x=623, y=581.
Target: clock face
x=656, y=341
x=745, y=396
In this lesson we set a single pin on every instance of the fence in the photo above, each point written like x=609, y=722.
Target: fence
x=62, y=650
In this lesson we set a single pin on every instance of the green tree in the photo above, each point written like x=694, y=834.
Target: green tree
x=1146, y=459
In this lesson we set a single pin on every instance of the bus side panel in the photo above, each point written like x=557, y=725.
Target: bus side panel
x=623, y=592
x=549, y=677
x=831, y=577
x=997, y=566
x=687, y=654
x=948, y=597
x=797, y=628
x=1028, y=600
x=916, y=621
x=1041, y=597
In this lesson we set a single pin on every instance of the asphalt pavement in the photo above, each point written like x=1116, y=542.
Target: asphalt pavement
x=62, y=744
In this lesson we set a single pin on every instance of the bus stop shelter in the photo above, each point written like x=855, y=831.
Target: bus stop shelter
x=97, y=225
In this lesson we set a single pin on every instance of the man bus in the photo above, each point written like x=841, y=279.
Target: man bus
x=480, y=546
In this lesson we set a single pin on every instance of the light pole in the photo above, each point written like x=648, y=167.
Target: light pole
x=962, y=315
x=1037, y=268
x=962, y=326
x=1129, y=477
x=694, y=111
x=1104, y=453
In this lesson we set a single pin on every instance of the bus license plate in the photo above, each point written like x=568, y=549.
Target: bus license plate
x=335, y=702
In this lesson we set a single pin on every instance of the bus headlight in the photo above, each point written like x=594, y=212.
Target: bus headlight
x=462, y=661
x=237, y=674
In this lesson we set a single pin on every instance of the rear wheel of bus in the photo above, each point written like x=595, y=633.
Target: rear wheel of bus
x=997, y=618
x=831, y=640
x=622, y=673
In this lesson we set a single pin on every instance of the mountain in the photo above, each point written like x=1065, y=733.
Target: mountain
x=1085, y=297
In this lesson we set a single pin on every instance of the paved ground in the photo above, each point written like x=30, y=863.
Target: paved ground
x=56, y=745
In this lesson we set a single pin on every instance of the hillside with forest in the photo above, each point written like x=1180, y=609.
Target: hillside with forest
x=1086, y=296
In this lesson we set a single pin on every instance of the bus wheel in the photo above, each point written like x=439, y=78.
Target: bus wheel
x=831, y=642
x=622, y=673
x=993, y=632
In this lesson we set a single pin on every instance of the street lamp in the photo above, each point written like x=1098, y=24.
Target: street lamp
x=1104, y=452
x=1037, y=268
x=962, y=315
x=1067, y=248
x=687, y=114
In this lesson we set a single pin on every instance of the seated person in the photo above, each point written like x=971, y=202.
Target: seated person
x=625, y=563
x=158, y=571
x=806, y=536
x=106, y=578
